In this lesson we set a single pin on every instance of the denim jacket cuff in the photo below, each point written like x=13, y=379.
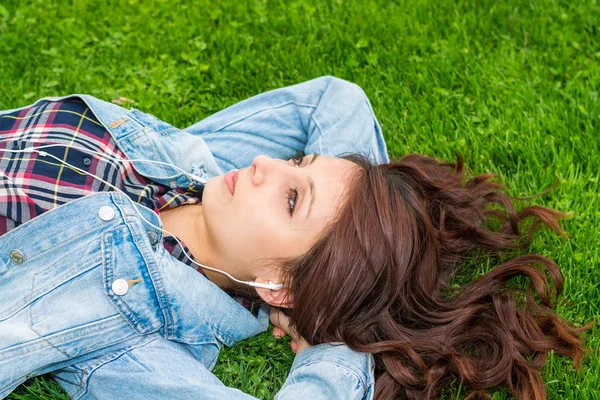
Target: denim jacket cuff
x=322, y=356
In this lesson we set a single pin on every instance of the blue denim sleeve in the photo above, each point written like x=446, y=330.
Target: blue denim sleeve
x=329, y=371
x=162, y=369
x=327, y=115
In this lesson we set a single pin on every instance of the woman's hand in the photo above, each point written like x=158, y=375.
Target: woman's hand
x=282, y=328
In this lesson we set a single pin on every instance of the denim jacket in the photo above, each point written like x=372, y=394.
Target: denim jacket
x=60, y=311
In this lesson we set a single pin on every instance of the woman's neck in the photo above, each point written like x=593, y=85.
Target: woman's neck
x=186, y=222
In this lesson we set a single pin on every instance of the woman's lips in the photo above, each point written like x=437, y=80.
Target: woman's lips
x=230, y=180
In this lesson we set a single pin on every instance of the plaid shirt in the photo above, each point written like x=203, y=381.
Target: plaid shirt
x=31, y=185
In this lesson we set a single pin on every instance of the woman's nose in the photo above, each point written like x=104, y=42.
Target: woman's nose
x=264, y=166
x=259, y=168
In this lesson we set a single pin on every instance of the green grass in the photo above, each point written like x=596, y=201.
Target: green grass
x=512, y=85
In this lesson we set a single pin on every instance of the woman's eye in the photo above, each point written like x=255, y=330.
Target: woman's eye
x=291, y=196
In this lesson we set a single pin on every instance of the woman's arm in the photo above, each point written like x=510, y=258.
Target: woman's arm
x=327, y=115
x=162, y=369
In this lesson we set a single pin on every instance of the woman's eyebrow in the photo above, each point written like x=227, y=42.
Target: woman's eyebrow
x=311, y=185
x=313, y=194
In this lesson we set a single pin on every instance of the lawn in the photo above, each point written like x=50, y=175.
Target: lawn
x=513, y=86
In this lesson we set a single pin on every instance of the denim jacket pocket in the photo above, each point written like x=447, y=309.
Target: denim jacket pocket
x=130, y=278
x=53, y=298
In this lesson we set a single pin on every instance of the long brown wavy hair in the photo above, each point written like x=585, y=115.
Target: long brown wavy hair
x=379, y=281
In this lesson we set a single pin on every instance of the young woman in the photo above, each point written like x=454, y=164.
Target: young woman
x=360, y=250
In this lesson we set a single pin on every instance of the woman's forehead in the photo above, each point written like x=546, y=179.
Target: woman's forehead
x=332, y=177
x=329, y=161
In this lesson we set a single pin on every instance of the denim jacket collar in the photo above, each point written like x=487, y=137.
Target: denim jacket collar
x=192, y=297
x=142, y=136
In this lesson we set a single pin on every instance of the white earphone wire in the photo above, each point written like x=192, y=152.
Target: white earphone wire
x=102, y=155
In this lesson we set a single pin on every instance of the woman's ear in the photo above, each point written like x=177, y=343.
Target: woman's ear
x=277, y=298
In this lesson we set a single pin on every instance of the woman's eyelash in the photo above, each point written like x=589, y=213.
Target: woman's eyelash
x=291, y=196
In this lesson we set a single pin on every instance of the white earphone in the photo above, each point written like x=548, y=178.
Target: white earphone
x=270, y=285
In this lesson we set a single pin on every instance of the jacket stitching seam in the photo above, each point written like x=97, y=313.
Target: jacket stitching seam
x=263, y=110
x=88, y=372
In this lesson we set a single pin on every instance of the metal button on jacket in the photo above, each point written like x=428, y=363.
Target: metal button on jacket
x=106, y=213
x=87, y=161
x=153, y=237
x=120, y=287
x=17, y=256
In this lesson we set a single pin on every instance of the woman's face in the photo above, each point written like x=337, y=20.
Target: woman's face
x=278, y=209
